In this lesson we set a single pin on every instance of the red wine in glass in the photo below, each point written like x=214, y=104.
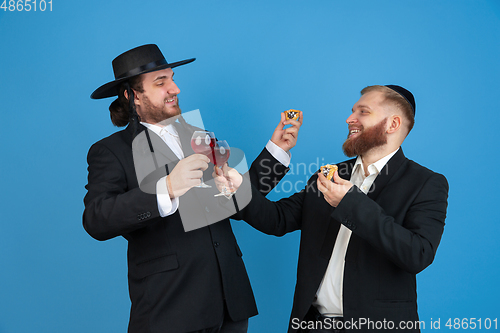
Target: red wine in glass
x=222, y=152
x=203, y=142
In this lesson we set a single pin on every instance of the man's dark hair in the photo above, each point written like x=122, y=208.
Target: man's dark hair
x=119, y=108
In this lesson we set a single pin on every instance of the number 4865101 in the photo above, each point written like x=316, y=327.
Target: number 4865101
x=26, y=5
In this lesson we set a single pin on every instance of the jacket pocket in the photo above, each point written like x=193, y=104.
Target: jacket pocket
x=153, y=266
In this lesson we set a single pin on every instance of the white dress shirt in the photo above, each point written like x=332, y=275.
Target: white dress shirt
x=329, y=300
x=169, y=135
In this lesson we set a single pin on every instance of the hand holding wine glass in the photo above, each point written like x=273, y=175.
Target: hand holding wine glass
x=218, y=152
x=227, y=178
x=221, y=156
x=186, y=174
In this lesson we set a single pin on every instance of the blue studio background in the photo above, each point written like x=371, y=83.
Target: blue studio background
x=254, y=60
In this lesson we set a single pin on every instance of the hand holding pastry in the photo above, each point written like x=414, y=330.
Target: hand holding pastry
x=292, y=114
x=335, y=191
x=328, y=170
x=286, y=138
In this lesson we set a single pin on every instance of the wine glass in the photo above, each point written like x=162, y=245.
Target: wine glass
x=203, y=142
x=222, y=152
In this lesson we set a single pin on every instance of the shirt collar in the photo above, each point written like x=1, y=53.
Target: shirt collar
x=161, y=130
x=375, y=167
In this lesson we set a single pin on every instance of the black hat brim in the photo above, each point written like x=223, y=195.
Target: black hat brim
x=110, y=89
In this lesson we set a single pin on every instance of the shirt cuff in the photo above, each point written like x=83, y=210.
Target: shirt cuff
x=282, y=156
x=166, y=206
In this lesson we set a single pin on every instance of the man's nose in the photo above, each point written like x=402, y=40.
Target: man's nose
x=351, y=119
x=173, y=89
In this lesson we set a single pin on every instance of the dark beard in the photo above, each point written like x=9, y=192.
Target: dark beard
x=372, y=137
x=156, y=114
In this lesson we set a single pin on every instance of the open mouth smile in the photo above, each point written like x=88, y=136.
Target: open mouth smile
x=353, y=132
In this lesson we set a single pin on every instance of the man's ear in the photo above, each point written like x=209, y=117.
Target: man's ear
x=394, y=123
x=136, y=98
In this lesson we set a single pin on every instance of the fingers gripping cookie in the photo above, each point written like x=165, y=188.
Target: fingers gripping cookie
x=292, y=114
x=328, y=170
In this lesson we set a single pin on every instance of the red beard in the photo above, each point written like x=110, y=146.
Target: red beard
x=154, y=114
x=372, y=137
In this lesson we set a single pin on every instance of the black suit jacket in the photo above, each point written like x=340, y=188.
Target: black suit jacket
x=178, y=281
x=396, y=230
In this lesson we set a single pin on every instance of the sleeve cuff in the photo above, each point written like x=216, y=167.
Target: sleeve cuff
x=166, y=206
x=279, y=154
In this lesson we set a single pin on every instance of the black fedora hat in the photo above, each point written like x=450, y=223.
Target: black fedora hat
x=140, y=60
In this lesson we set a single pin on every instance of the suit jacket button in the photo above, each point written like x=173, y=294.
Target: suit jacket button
x=216, y=244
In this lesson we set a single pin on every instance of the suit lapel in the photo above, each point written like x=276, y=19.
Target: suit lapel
x=345, y=169
x=331, y=229
x=185, y=133
x=157, y=144
x=160, y=147
x=378, y=185
x=184, y=130
x=386, y=174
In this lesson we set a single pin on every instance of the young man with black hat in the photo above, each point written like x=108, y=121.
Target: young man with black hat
x=366, y=233
x=179, y=281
